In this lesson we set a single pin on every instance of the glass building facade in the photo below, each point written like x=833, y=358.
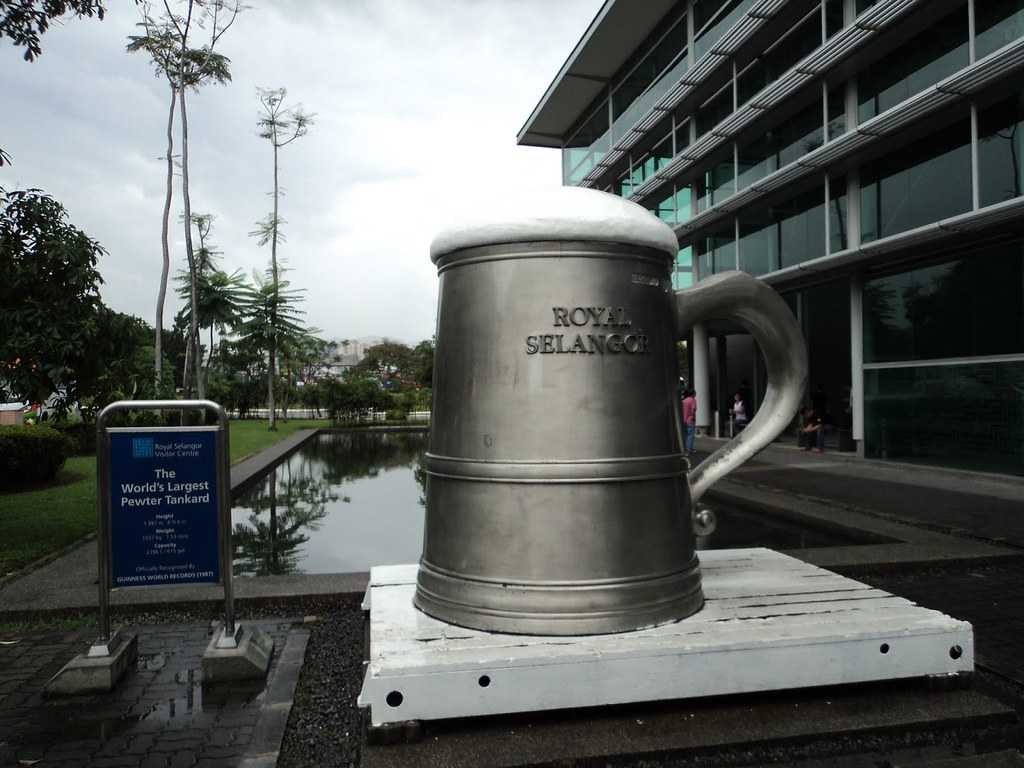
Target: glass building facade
x=864, y=157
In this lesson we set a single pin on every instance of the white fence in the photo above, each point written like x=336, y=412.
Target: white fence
x=365, y=417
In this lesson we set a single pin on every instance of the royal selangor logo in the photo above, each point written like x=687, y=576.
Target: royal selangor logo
x=142, y=447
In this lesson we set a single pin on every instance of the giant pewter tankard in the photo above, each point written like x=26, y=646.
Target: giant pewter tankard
x=558, y=501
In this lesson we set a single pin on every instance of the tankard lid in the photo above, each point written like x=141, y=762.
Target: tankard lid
x=557, y=214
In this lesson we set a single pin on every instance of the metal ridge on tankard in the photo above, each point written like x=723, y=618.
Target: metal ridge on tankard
x=558, y=501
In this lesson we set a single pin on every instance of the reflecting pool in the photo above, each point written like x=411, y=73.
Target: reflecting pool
x=347, y=501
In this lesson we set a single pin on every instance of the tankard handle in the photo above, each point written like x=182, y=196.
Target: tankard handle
x=762, y=312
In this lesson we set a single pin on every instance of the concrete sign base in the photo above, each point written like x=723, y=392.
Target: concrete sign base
x=770, y=622
x=93, y=674
x=248, y=659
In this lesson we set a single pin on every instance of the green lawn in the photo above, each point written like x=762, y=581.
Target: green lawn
x=36, y=522
x=249, y=437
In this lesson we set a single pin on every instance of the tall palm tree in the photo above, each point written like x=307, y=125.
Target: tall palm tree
x=183, y=68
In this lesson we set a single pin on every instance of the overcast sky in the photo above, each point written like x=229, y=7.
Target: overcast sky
x=417, y=105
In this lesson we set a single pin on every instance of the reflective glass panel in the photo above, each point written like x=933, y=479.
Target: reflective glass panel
x=717, y=251
x=833, y=17
x=759, y=241
x=969, y=416
x=770, y=65
x=802, y=227
x=682, y=275
x=713, y=19
x=716, y=184
x=971, y=306
x=917, y=185
x=1001, y=150
x=837, y=218
x=998, y=22
x=932, y=55
x=587, y=146
x=836, y=112
x=714, y=111
x=781, y=145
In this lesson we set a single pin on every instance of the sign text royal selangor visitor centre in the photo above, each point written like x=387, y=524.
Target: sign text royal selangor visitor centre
x=864, y=158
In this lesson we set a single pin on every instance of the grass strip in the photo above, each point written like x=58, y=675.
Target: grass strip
x=41, y=520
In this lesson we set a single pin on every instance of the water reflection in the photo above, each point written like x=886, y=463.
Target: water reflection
x=348, y=501
x=345, y=502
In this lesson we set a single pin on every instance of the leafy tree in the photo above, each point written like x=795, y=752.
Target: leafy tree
x=120, y=364
x=423, y=363
x=345, y=399
x=386, y=360
x=24, y=21
x=49, y=298
x=273, y=320
x=281, y=126
x=220, y=300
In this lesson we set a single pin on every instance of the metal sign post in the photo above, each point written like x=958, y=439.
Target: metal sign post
x=164, y=491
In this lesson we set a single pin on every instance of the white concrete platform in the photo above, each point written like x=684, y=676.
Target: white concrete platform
x=771, y=622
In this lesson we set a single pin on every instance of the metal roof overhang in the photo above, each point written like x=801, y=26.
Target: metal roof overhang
x=617, y=30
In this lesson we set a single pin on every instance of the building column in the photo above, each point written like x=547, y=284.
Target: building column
x=721, y=382
x=857, y=360
x=699, y=374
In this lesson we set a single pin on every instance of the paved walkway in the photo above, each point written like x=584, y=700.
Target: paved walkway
x=985, y=506
x=159, y=716
x=988, y=592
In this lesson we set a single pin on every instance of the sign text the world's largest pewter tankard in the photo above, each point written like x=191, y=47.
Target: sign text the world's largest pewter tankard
x=164, y=507
x=558, y=500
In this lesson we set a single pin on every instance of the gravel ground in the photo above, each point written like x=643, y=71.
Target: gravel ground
x=325, y=727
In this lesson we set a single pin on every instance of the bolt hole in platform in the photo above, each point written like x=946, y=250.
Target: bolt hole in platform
x=956, y=652
x=484, y=681
x=394, y=699
x=884, y=648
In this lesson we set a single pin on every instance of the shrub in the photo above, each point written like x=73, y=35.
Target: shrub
x=81, y=434
x=31, y=454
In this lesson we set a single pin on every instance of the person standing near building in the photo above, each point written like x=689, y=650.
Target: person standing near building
x=739, y=412
x=690, y=419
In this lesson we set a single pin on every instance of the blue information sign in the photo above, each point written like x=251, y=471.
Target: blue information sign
x=164, y=507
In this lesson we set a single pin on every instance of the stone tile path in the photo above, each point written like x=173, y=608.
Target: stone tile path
x=160, y=716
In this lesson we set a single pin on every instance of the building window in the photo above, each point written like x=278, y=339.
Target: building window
x=1001, y=150
x=712, y=19
x=918, y=184
x=969, y=416
x=714, y=110
x=833, y=17
x=682, y=134
x=963, y=308
x=777, y=60
x=682, y=275
x=838, y=221
x=587, y=146
x=935, y=53
x=781, y=145
x=716, y=252
x=863, y=5
x=783, y=235
x=836, y=112
x=716, y=183
x=665, y=209
x=998, y=22
x=653, y=161
x=650, y=78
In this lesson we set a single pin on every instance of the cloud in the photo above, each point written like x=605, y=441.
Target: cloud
x=417, y=105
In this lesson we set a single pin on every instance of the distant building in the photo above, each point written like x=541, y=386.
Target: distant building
x=865, y=158
x=344, y=354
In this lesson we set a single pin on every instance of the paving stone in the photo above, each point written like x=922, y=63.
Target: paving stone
x=159, y=716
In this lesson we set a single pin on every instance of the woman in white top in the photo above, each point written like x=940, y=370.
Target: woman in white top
x=739, y=412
